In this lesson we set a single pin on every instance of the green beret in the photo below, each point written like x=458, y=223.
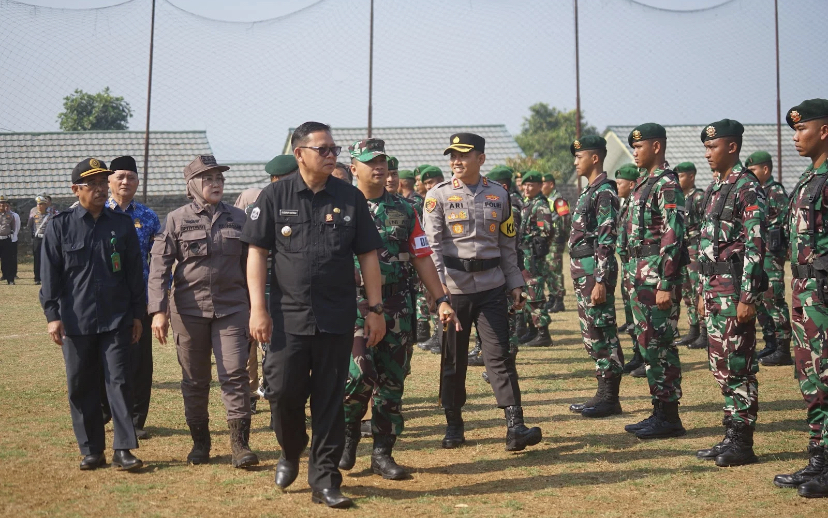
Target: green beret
x=430, y=171
x=405, y=174
x=393, y=163
x=500, y=173
x=807, y=111
x=282, y=165
x=548, y=177
x=627, y=172
x=722, y=128
x=532, y=177
x=758, y=157
x=685, y=167
x=588, y=143
x=419, y=169
x=647, y=131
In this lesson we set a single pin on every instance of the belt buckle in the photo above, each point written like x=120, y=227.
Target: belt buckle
x=467, y=265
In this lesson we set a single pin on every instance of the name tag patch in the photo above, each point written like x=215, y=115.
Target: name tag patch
x=288, y=212
x=420, y=242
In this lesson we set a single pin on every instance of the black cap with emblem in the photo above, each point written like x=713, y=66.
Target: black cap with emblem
x=87, y=168
x=465, y=142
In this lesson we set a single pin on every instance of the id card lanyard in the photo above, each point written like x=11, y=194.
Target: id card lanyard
x=115, y=257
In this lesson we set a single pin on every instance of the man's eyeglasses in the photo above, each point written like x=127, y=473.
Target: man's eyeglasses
x=325, y=150
x=94, y=186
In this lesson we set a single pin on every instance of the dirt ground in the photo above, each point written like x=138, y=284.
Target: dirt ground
x=582, y=467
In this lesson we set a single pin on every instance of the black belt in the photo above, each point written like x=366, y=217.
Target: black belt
x=717, y=268
x=581, y=251
x=642, y=251
x=471, y=265
x=803, y=271
x=388, y=290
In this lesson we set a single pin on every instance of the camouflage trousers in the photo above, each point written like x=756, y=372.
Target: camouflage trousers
x=423, y=314
x=655, y=330
x=733, y=359
x=534, y=276
x=810, y=332
x=627, y=288
x=554, y=277
x=773, y=313
x=599, y=328
x=690, y=286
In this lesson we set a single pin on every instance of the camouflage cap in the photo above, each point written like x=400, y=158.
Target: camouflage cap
x=500, y=173
x=588, y=143
x=646, y=131
x=627, y=172
x=367, y=149
x=282, y=165
x=430, y=171
x=405, y=174
x=758, y=157
x=721, y=129
x=685, y=167
x=393, y=163
x=532, y=177
x=807, y=111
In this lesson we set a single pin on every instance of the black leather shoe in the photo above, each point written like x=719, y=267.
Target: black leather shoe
x=93, y=461
x=722, y=446
x=142, y=434
x=332, y=497
x=286, y=472
x=126, y=461
x=455, y=435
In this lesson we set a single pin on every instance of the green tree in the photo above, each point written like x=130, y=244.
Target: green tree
x=545, y=138
x=101, y=111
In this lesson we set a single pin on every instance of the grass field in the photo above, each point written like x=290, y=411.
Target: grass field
x=582, y=467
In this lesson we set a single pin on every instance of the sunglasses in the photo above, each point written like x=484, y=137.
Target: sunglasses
x=325, y=150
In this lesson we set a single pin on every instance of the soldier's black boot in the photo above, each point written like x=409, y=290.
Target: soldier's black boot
x=531, y=333
x=817, y=487
x=200, y=454
x=423, y=330
x=349, y=454
x=550, y=303
x=242, y=457
x=579, y=407
x=701, y=341
x=741, y=447
x=518, y=436
x=722, y=446
x=666, y=423
x=365, y=429
x=816, y=464
x=558, y=307
x=644, y=423
x=693, y=334
x=782, y=355
x=382, y=463
x=542, y=339
x=770, y=346
x=636, y=361
x=436, y=346
x=476, y=354
x=640, y=371
x=520, y=326
x=454, y=429
x=608, y=404
x=428, y=344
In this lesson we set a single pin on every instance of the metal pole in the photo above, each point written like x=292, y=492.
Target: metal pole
x=577, y=85
x=371, y=72
x=778, y=101
x=149, y=97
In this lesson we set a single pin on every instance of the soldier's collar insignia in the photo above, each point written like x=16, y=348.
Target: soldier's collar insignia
x=577, y=144
x=430, y=204
x=456, y=183
x=795, y=116
x=711, y=131
x=485, y=182
x=636, y=135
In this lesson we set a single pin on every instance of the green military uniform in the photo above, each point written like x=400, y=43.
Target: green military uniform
x=655, y=230
x=561, y=224
x=427, y=172
x=690, y=272
x=535, y=238
x=422, y=328
x=627, y=268
x=731, y=255
x=592, y=261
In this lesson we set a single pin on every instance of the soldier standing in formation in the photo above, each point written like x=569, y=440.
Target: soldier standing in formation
x=731, y=256
x=693, y=198
x=594, y=273
x=469, y=225
x=773, y=313
x=9, y=230
x=392, y=183
x=655, y=229
x=808, y=227
x=561, y=224
x=38, y=219
x=535, y=237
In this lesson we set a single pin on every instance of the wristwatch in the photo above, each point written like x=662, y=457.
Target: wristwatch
x=444, y=298
x=599, y=279
x=378, y=308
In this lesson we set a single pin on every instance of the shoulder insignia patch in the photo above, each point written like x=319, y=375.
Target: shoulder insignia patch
x=561, y=207
x=485, y=182
x=430, y=204
x=669, y=196
x=508, y=227
x=455, y=197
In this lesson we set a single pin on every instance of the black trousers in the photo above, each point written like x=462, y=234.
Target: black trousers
x=489, y=310
x=140, y=369
x=8, y=259
x=37, y=243
x=87, y=356
x=297, y=367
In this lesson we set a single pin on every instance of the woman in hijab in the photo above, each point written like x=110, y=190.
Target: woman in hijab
x=208, y=306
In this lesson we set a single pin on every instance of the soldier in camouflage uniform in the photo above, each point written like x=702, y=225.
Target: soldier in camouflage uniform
x=429, y=176
x=693, y=197
x=535, y=237
x=773, y=313
x=625, y=179
x=806, y=224
x=594, y=273
x=379, y=372
x=561, y=224
x=655, y=230
x=407, y=192
x=731, y=255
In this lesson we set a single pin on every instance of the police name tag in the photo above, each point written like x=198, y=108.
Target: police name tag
x=420, y=242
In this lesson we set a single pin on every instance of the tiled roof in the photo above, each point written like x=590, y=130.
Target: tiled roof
x=684, y=145
x=414, y=146
x=31, y=163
